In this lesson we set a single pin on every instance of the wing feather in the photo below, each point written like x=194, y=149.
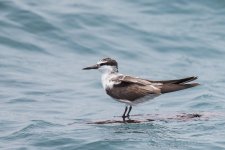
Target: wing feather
x=131, y=88
x=129, y=79
x=177, y=81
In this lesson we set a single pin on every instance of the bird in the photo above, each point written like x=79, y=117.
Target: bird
x=134, y=90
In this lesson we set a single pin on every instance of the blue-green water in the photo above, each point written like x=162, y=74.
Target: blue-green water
x=46, y=99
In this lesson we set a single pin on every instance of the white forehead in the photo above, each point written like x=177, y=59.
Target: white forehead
x=101, y=61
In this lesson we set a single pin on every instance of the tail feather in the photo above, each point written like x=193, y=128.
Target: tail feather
x=166, y=88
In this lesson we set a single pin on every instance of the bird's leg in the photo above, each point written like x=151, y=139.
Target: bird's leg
x=128, y=114
x=124, y=114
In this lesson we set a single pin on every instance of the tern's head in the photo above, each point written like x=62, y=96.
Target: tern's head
x=106, y=65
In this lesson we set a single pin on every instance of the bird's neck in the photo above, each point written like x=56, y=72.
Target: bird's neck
x=106, y=79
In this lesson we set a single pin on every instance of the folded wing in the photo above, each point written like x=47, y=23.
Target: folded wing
x=132, y=87
x=177, y=81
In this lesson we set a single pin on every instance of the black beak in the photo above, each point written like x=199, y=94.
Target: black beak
x=91, y=67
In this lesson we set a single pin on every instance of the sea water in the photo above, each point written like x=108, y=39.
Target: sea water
x=47, y=101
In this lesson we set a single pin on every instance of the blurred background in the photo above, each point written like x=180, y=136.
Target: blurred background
x=46, y=99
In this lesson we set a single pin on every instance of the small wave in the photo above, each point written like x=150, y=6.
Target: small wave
x=21, y=100
x=31, y=129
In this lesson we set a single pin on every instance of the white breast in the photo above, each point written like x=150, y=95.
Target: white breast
x=107, y=80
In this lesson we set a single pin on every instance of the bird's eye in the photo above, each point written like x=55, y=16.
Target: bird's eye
x=102, y=64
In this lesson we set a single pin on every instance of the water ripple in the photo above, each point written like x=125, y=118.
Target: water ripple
x=47, y=99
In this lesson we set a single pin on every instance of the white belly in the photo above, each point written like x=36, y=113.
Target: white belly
x=140, y=100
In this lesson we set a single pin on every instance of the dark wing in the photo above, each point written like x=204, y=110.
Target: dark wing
x=175, y=85
x=157, y=87
x=177, y=81
x=166, y=88
x=134, y=80
x=131, y=88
